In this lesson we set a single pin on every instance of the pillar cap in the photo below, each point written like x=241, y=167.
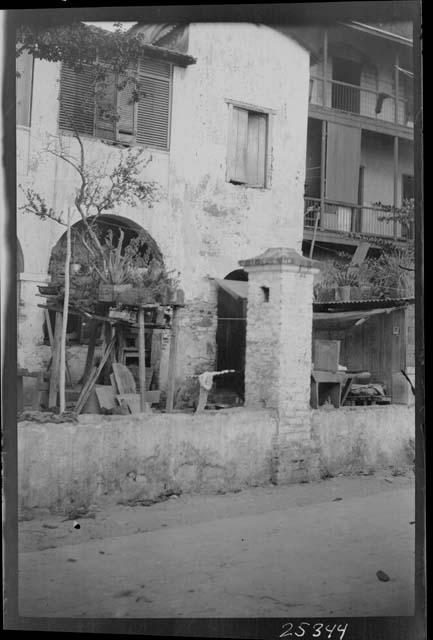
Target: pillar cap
x=280, y=256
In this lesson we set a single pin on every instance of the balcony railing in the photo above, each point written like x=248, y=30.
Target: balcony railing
x=361, y=101
x=343, y=217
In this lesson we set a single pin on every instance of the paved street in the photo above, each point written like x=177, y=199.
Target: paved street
x=305, y=550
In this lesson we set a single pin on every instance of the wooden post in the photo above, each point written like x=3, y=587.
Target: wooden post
x=65, y=318
x=313, y=241
x=395, y=198
x=155, y=353
x=396, y=86
x=55, y=363
x=142, y=361
x=172, y=359
x=323, y=172
x=325, y=64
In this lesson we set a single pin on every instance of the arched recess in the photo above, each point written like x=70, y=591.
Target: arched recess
x=81, y=261
x=231, y=331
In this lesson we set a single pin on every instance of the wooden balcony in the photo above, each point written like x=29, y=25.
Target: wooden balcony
x=331, y=219
x=358, y=100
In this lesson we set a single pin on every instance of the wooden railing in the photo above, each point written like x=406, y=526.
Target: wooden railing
x=359, y=100
x=341, y=216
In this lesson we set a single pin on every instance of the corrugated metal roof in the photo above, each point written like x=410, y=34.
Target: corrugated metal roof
x=350, y=316
x=371, y=303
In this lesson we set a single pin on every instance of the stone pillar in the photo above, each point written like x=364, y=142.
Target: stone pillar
x=278, y=353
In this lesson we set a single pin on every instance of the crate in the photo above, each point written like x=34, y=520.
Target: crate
x=326, y=355
x=110, y=292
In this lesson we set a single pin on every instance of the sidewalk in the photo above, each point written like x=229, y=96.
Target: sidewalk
x=305, y=550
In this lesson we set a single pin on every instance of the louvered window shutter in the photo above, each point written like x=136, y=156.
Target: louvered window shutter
x=105, y=112
x=126, y=109
x=153, y=110
x=77, y=100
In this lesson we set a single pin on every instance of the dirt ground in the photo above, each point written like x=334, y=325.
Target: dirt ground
x=302, y=550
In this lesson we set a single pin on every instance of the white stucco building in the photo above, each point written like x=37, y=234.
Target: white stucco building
x=224, y=116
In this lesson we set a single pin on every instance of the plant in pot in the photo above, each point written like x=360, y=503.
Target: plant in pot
x=340, y=277
x=132, y=274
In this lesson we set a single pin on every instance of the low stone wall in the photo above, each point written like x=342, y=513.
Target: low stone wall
x=354, y=439
x=137, y=457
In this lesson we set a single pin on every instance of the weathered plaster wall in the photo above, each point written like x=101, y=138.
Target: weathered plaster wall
x=202, y=224
x=135, y=457
x=63, y=465
x=353, y=439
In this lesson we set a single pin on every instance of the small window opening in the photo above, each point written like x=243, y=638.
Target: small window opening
x=265, y=291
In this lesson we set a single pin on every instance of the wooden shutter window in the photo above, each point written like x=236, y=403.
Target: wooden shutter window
x=24, y=84
x=153, y=113
x=247, y=148
x=145, y=122
x=77, y=100
x=105, y=112
x=126, y=113
x=256, y=153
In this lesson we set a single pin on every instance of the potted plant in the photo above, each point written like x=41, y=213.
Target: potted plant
x=341, y=277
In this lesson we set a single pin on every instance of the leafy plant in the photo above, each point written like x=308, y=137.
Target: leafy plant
x=339, y=274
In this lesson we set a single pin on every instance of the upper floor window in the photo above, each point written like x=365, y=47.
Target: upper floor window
x=24, y=84
x=108, y=110
x=248, y=146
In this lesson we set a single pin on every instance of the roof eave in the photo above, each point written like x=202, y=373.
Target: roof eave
x=180, y=59
x=375, y=31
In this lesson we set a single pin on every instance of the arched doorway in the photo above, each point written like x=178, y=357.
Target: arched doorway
x=231, y=331
x=85, y=281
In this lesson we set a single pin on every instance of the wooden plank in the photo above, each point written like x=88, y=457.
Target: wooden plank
x=86, y=390
x=124, y=379
x=156, y=348
x=106, y=396
x=133, y=400
x=360, y=253
x=240, y=140
x=346, y=389
x=94, y=326
x=172, y=359
x=142, y=361
x=55, y=364
x=252, y=155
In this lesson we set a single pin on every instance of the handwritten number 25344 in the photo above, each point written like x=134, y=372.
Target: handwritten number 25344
x=316, y=630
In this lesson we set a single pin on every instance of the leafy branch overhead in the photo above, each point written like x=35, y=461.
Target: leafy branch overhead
x=78, y=45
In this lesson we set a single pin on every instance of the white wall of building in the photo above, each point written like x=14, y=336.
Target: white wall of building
x=203, y=224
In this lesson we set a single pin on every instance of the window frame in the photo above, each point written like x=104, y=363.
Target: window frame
x=250, y=108
x=133, y=141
